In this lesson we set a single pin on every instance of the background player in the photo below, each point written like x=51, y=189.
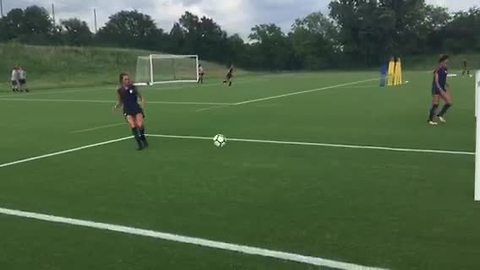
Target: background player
x=465, y=68
x=128, y=98
x=14, y=79
x=229, y=76
x=439, y=91
x=22, y=80
x=201, y=74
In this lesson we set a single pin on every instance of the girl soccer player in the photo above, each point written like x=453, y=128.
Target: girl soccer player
x=201, y=74
x=128, y=98
x=229, y=76
x=14, y=81
x=439, y=91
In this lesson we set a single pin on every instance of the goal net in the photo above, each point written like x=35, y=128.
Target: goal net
x=164, y=68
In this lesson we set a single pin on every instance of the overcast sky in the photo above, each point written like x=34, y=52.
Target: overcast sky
x=235, y=16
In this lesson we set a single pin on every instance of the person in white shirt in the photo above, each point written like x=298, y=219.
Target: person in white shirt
x=14, y=79
x=201, y=74
x=22, y=80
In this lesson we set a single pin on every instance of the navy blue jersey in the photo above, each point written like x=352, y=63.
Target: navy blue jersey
x=442, y=72
x=129, y=99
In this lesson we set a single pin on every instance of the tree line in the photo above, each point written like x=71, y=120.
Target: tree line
x=355, y=33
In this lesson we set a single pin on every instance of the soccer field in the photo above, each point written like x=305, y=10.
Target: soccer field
x=321, y=170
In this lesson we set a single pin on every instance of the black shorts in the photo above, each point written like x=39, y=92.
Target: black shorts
x=229, y=76
x=22, y=81
x=201, y=74
x=133, y=112
x=14, y=83
x=436, y=91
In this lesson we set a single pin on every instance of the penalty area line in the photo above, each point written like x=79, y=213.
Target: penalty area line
x=330, y=145
x=243, y=249
x=303, y=92
x=62, y=152
x=97, y=128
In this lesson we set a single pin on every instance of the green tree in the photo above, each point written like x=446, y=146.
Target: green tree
x=462, y=33
x=3, y=31
x=201, y=36
x=236, y=53
x=176, y=43
x=76, y=32
x=130, y=29
x=314, y=41
x=36, y=21
x=271, y=48
x=13, y=23
x=367, y=30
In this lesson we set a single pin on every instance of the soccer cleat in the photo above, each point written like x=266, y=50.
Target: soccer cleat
x=432, y=123
x=441, y=119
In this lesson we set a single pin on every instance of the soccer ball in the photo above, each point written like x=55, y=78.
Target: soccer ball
x=219, y=140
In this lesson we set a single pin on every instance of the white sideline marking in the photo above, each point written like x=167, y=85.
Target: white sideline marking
x=286, y=256
x=302, y=92
x=97, y=128
x=111, y=101
x=47, y=92
x=62, y=152
x=348, y=146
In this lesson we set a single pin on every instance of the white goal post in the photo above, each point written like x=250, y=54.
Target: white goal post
x=166, y=68
x=477, y=137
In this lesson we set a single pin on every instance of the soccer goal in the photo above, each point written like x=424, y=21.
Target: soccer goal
x=166, y=68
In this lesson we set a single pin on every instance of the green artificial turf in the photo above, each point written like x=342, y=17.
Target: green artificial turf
x=396, y=210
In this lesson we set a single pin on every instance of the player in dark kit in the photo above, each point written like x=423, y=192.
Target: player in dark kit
x=439, y=91
x=465, y=68
x=229, y=76
x=128, y=98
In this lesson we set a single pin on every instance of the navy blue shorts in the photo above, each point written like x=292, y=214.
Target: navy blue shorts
x=133, y=112
x=436, y=91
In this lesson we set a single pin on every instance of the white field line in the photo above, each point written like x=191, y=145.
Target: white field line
x=212, y=108
x=62, y=152
x=111, y=101
x=347, y=146
x=47, y=92
x=192, y=86
x=303, y=92
x=97, y=128
x=215, y=104
x=286, y=256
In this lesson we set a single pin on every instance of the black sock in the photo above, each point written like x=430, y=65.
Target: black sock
x=136, y=135
x=142, y=134
x=230, y=83
x=444, y=109
x=433, y=110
